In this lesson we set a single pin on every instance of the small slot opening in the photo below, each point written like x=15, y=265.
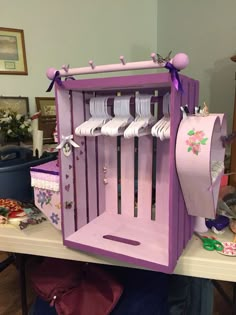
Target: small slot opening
x=121, y=240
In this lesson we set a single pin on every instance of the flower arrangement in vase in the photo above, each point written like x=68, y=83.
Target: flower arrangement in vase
x=14, y=127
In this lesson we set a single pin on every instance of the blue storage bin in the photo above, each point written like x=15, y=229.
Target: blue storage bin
x=15, y=180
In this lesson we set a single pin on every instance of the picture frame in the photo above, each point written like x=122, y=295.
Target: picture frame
x=17, y=104
x=12, y=51
x=47, y=119
x=46, y=105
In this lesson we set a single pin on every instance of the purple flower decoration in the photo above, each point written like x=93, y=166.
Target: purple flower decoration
x=41, y=197
x=44, y=197
x=55, y=218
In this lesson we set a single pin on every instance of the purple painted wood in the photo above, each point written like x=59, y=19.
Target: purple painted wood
x=181, y=204
x=145, y=177
x=79, y=158
x=162, y=186
x=91, y=178
x=153, y=248
x=196, y=101
x=127, y=177
x=91, y=173
x=100, y=175
x=66, y=184
x=110, y=174
x=158, y=243
x=143, y=81
x=173, y=180
x=185, y=221
x=192, y=103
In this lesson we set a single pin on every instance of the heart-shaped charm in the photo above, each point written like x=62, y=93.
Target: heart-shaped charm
x=67, y=187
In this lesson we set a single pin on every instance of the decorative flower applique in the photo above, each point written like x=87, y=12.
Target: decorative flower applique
x=195, y=140
x=55, y=218
x=44, y=197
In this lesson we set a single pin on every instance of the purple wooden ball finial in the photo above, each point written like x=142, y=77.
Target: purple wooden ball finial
x=180, y=61
x=51, y=73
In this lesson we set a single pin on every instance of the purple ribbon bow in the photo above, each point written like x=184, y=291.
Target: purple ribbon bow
x=174, y=76
x=56, y=79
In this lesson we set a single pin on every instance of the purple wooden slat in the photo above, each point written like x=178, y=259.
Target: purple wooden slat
x=191, y=103
x=66, y=163
x=110, y=175
x=185, y=100
x=116, y=83
x=80, y=156
x=183, y=215
x=162, y=183
x=173, y=181
x=100, y=175
x=196, y=102
x=145, y=177
x=91, y=171
x=127, y=177
x=91, y=178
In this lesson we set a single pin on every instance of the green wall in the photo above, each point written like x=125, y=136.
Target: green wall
x=72, y=32
x=59, y=32
x=206, y=31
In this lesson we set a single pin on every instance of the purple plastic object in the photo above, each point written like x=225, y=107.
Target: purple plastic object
x=219, y=223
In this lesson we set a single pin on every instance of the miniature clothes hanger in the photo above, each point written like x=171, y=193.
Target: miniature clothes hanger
x=122, y=119
x=162, y=128
x=100, y=116
x=144, y=119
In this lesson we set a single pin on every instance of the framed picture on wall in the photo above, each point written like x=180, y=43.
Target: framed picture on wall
x=46, y=105
x=47, y=119
x=12, y=51
x=19, y=104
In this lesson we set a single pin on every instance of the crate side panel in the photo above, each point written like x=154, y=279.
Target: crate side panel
x=192, y=102
x=68, y=206
x=145, y=146
x=174, y=215
x=127, y=177
x=110, y=174
x=80, y=161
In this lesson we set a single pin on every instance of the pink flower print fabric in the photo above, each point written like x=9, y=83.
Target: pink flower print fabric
x=195, y=140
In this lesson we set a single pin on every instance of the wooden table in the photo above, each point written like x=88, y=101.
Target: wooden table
x=45, y=240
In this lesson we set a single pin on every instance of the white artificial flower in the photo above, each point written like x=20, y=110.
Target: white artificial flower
x=4, y=119
x=18, y=116
x=9, y=131
x=6, y=113
x=22, y=126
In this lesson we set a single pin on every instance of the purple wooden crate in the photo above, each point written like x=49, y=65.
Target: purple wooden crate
x=123, y=218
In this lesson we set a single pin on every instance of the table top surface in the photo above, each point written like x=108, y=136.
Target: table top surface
x=45, y=240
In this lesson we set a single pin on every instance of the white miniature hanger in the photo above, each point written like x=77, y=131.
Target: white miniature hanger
x=144, y=119
x=100, y=116
x=162, y=128
x=122, y=119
